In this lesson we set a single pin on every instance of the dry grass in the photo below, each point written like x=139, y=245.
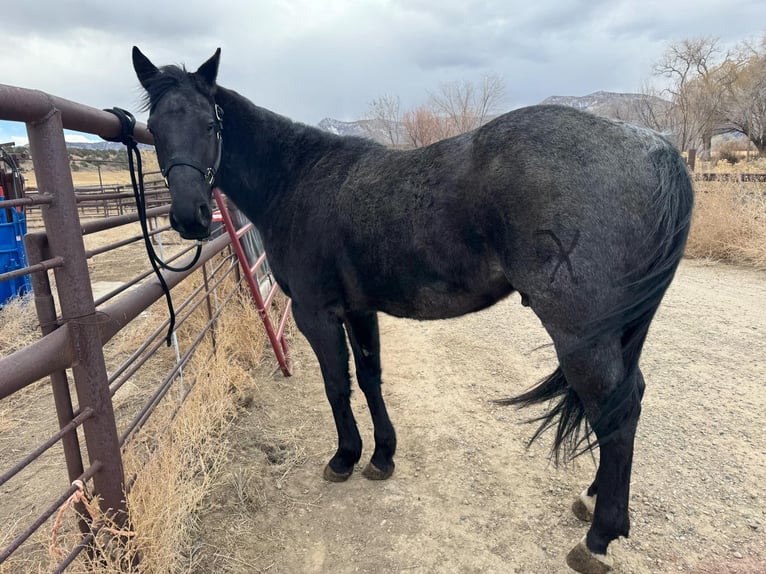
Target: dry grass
x=109, y=176
x=174, y=481
x=175, y=459
x=753, y=165
x=18, y=328
x=729, y=223
x=18, y=325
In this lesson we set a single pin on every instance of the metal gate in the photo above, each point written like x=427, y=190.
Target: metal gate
x=248, y=246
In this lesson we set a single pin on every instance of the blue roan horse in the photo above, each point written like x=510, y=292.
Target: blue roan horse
x=586, y=218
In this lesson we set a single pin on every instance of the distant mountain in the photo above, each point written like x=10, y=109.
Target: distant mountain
x=104, y=145
x=96, y=146
x=360, y=128
x=375, y=130
x=623, y=106
x=596, y=100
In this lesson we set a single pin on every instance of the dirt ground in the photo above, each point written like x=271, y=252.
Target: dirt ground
x=467, y=495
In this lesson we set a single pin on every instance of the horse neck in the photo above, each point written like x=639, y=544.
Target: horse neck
x=264, y=155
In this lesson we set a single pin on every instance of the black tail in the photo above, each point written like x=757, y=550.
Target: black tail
x=674, y=199
x=565, y=413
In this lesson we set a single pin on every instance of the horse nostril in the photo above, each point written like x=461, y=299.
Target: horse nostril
x=204, y=215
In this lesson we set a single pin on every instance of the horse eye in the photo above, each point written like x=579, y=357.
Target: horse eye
x=211, y=127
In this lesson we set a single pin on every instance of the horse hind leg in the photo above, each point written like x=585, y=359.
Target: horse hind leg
x=364, y=337
x=584, y=505
x=612, y=402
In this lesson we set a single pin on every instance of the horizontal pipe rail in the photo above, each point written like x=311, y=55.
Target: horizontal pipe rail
x=23, y=367
x=101, y=197
x=21, y=538
x=254, y=267
x=54, y=351
x=244, y=230
x=162, y=390
x=118, y=220
x=29, y=106
x=25, y=201
x=52, y=263
x=86, y=541
x=154, y=341
x=744, y=177
x=270, y=297
x=86, y=413
x=136, y=280
x=90, y=253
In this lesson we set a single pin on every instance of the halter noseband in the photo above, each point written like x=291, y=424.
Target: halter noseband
x=209, y=172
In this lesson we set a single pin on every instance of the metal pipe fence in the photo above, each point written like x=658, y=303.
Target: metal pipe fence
x=76, y=322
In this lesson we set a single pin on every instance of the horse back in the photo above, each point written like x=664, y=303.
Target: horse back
x=451, y=228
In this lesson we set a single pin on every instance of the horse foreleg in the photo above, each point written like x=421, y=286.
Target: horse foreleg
x=364, y=336
x=324, y=332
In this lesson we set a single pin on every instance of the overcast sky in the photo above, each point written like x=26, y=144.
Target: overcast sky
x=311, y=59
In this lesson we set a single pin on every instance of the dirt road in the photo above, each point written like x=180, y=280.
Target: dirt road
x=467, y=496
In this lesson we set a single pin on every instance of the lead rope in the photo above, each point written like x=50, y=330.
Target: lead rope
x=128, y=122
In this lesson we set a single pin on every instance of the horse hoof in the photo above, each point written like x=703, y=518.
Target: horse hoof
x=331, y=476
x=372, y=472
x=582, y=560
x=584, y=506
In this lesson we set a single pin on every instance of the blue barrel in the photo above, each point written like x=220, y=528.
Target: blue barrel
x=12, y=254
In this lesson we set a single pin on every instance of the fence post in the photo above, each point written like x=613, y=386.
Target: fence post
x=692, y=158
x=51, y=163
x=36, y=244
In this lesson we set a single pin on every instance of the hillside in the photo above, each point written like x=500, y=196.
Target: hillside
x=617, y=105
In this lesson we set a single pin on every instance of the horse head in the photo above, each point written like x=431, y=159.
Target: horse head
x=187, y=127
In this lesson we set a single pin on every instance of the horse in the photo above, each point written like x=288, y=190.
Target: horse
x=586, y=218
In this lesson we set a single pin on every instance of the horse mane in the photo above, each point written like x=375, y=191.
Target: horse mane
x=170, y=78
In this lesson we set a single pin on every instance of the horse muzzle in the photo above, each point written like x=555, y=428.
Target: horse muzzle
x=192, y=221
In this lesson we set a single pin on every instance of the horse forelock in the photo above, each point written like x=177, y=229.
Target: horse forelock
x=170, y=78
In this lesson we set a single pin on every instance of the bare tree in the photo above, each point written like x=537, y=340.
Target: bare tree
x=652, y=111
x=697, y=89
x=457, y=107
x=745, y=107
x=423, y=127
x=385, y=117
x=467, y=105
x=491, y=97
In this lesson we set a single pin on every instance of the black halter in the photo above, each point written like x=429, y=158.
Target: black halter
x=207, y=172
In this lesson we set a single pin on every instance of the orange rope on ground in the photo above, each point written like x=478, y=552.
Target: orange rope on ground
x=79, y=496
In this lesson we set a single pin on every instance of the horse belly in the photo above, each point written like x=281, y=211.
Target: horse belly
x=444, y=299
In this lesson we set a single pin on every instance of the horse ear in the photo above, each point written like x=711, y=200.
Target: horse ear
x=209, y=70
x=145, y=70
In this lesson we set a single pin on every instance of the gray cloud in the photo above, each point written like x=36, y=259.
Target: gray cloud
x=310, y=58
